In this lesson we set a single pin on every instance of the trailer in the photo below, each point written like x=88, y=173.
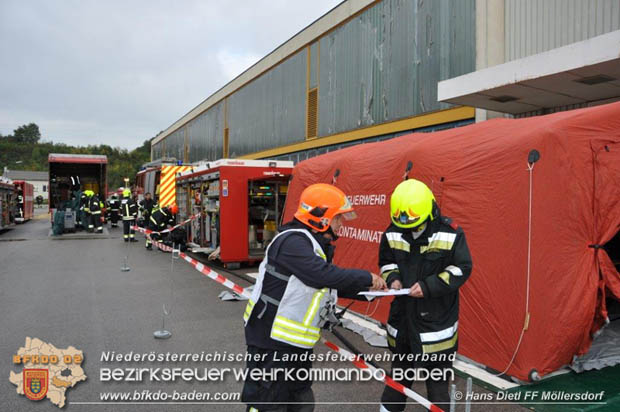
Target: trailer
x=70, y=173
x=157, y=178
x=240, y=203
x=25, y=201
x=7, y=203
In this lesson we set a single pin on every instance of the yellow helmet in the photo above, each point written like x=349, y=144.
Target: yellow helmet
x=126, y=193
x=411, y=204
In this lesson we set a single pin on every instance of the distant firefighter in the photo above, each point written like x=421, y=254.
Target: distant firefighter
x=95, y=214
x=129, y=211
x=114, y=205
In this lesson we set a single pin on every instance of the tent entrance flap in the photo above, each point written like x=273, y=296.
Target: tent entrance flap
x=606, y=156
x=605, y=349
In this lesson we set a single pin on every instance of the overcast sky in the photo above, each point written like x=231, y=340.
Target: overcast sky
x=118, y=72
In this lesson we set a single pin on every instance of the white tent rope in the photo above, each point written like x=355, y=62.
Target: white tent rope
x=530, y=168
x=374, y=310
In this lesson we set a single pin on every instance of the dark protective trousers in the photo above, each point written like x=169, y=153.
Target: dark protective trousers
x=128, y=232
x=114, y=218
x=95, y=222
x=86, y=221
x=437, y=390
x=264, y=395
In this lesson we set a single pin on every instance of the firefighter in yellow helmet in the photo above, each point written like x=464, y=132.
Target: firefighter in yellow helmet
x=94, y=208
x=296, y=288
x=85, y=210
x=427, y=253
x=129, y=212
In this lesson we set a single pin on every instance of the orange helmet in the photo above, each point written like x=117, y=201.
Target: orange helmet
x=320, y=203
x=173, y=208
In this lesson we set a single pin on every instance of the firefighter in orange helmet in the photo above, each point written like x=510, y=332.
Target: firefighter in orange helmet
x=296, y=288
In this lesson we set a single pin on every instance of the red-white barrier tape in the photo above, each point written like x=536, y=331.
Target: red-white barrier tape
x=207, y=271
x=210, y=273
x=148, y=231
x=360, y=363
x=355, y=359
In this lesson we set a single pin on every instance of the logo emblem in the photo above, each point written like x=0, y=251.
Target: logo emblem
x=36, y=382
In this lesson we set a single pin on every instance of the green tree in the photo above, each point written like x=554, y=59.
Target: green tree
x=27, y=134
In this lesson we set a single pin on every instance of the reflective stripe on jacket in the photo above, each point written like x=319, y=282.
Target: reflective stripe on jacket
x=298, y=317
x=94, y=206
x=129, y=210
x=439, y=260
x=114, y=205
x=159, y=219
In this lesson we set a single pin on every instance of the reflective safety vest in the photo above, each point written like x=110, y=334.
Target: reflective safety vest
x=298, y=318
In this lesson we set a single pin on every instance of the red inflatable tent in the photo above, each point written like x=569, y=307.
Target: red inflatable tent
x=483, y=176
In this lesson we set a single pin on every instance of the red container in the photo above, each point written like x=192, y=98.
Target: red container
x=241, y=204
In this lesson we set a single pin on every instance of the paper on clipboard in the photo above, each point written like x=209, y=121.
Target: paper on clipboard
x=391, y=292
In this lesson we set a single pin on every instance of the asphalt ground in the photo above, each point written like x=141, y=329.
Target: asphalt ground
x=71, y=292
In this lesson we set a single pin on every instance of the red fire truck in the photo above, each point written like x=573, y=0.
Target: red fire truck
x=7, y=203
x=157, y=178
x=25, y=201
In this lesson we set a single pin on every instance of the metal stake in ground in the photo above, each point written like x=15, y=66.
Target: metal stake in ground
x=163, y=333
x=125, y=267
x=452, y=397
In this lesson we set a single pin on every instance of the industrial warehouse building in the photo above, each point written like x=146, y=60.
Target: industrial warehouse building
x=369, y=70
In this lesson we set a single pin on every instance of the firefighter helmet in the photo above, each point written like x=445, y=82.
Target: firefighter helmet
x=126, y=192
x=173, y=208
x=320, y=203
x=411, y=204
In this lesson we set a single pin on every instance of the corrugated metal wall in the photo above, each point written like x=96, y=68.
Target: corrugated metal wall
x=535, y=26
x=175, y=144
x=380, y=66
x=385, y=64
x=156, y=152
x=270, y=111
x=314, y=54
x=206, y=133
